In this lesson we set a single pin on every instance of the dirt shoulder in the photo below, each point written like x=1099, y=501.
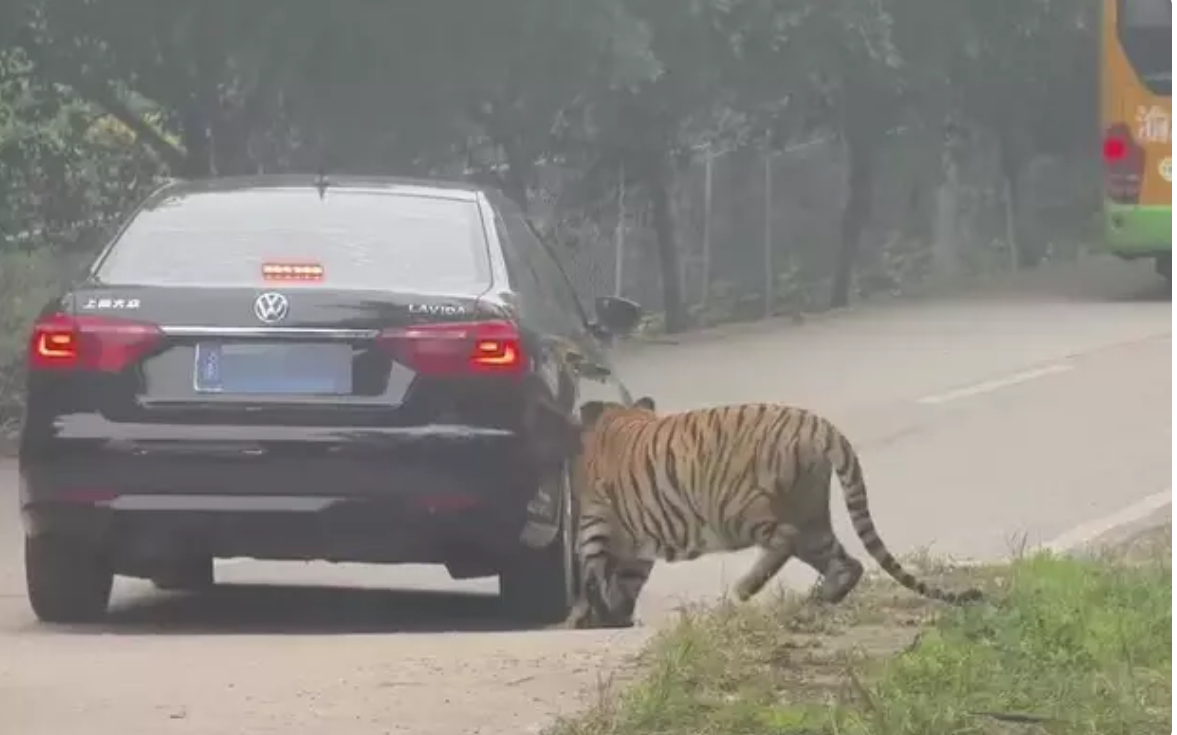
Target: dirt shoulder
x=1065, y=644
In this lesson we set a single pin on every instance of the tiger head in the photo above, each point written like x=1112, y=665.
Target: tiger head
x=593, y=412
x=556, y=436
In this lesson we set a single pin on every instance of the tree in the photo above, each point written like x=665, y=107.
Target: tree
x=867, y=101
x=564, y=52
x=597, y=86
x=209, y=72
x=1026, y=77
x=649, y=129
x=357, y=86
x=849, y=81
x=66, y=165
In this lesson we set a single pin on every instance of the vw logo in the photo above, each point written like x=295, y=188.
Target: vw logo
x=271, y=307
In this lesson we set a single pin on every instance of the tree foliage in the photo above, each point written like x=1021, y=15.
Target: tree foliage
x=98, y=97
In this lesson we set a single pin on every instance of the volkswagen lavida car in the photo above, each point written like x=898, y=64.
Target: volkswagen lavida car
x=302, y=368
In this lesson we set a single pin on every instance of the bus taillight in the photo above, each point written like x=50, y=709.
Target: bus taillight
x=1114, y=149
x=1123, y=165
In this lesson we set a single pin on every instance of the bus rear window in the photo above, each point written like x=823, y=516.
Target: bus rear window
x=360, y=240
x=1145, y=28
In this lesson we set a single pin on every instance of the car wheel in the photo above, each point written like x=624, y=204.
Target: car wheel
x=190, y=575
x=67, y=581
x=539, y=585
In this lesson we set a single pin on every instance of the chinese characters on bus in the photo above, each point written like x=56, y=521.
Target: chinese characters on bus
x=1152, y=124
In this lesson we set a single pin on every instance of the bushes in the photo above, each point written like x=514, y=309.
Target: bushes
x=28, y=279
x=66, y=170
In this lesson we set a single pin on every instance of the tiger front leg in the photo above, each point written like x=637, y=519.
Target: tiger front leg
x=591, y=608
x=594, y=572
x=602, y=601
x=581, y=616
x=630, y=575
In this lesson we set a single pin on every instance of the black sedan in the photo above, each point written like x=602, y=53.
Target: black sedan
x=296, y=367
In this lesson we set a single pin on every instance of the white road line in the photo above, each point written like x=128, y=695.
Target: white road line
x=1086, y=532
x=991, y=385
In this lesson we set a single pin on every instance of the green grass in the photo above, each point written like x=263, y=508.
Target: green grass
x=1069, y=646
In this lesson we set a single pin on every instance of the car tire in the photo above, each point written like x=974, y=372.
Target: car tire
x=539, y=585
x=189, y=575
x=67, y=581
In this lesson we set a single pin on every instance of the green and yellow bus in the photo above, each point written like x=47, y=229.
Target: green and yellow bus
x=1136, y=81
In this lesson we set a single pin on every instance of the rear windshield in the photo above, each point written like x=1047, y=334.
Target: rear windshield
x=362, y=240
x=1146, y=34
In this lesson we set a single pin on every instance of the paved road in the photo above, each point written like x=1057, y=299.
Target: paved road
x=1036, y=411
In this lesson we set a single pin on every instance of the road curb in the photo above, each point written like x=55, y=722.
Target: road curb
x=1140, y=517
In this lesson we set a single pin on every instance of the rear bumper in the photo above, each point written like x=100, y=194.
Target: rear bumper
x=147, y=492
x=1138, y=231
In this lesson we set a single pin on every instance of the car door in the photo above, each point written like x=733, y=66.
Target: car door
x=587, y=356
x=543, y=311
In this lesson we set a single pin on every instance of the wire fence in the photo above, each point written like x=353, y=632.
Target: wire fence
x=758, y=230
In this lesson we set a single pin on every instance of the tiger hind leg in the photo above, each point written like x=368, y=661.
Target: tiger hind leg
x=597, y=590
x=615, y=609
x=840, y=572
x=776, y=550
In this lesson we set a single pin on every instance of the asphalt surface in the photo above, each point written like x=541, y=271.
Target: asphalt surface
x=1036, y=411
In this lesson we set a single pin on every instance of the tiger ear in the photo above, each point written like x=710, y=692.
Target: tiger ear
x=645, y=403
x=590, y=411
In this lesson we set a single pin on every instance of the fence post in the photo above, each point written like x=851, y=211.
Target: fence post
x=707, y=165
x=619, y=236
x=769, y=272
x=1011, y=222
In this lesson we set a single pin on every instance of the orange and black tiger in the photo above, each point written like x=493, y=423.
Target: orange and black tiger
x=715, y=479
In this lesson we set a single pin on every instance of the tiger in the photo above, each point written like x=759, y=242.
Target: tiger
x=727, y=478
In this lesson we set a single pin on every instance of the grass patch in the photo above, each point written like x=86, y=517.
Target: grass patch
x=1069, y=645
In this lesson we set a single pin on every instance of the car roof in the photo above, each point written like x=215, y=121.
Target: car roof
x=457, y=190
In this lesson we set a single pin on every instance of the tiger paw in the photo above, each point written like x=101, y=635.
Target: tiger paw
x=583, y=617
x=580, y=617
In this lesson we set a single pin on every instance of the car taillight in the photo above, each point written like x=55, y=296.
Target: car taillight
x=451, y=349
x=61, y=341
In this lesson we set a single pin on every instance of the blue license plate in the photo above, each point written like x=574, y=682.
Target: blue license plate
x=273, y=369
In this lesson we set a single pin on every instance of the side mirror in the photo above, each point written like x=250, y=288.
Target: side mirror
x=617, y=316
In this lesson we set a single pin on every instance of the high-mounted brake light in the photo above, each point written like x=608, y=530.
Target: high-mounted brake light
x=64, y=342
x=451, y=349
x=292, y=271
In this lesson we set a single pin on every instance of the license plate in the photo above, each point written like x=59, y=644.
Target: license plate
x=273, y=369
